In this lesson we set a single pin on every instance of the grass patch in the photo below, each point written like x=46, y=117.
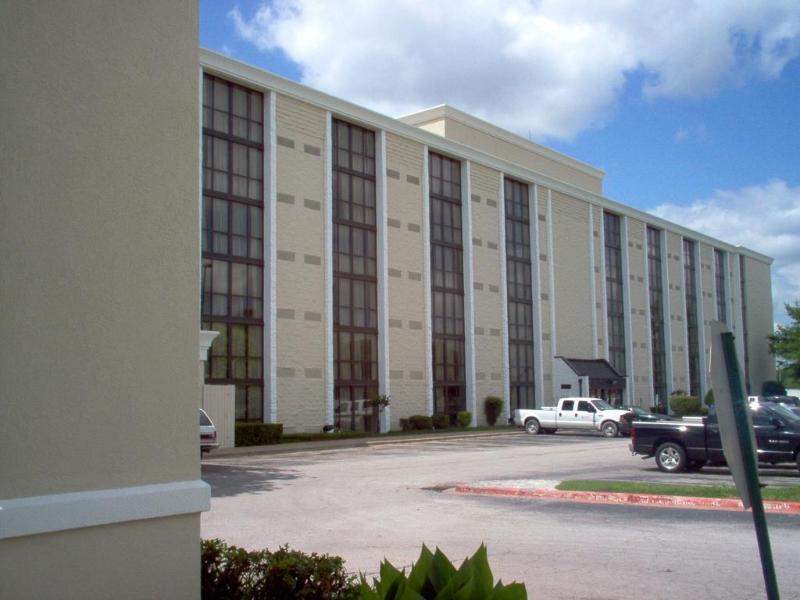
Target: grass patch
x=786, y=494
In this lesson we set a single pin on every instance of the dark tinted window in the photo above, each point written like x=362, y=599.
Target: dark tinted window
x=568, y=405
x=585, y=406
x=204, y=420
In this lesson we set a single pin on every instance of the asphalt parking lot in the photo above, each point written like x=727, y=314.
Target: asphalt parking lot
x=365, y=503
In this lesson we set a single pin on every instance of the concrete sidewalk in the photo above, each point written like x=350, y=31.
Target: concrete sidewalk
x=546, y=490
x=358, y=442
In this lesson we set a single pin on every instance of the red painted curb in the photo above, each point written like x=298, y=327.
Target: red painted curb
x=770, y=506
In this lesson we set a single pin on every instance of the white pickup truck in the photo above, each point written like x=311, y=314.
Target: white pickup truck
x=571, y=413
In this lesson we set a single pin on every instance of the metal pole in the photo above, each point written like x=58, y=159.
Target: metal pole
x=757, y=504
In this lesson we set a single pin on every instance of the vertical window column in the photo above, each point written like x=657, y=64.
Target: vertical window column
x=233, y=240
x=719, y=279
x=615, y=305
x=692, y=332
x=447, y=285
x=519, y=293
x=355, y=281
x=656, y=289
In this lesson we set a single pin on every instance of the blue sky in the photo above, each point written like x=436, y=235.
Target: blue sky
x=693, y=112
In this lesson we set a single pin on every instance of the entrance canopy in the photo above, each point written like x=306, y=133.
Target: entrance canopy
x=602, y=376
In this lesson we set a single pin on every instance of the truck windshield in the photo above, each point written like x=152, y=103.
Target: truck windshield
x=602, y=405
x=784, y=413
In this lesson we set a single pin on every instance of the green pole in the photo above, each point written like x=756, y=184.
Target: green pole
x=751, y=468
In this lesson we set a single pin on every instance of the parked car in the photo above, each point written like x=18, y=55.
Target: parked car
x=691, y=443
x=642, y=414
x=591, y=414
x=208, y=433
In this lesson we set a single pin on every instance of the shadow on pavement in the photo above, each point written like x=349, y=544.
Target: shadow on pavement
x=228, y=480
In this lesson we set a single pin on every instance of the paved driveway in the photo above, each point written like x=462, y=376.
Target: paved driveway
x=367, y=503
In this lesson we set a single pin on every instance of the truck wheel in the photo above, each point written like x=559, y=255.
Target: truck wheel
x=609, y=429
x=671, y=457
x=532, y=426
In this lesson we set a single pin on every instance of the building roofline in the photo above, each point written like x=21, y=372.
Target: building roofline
x=446, y=111
x=256, y=77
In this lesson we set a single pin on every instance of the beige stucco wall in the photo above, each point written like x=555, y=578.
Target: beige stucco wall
x=141, y=559
x=488, y=299
x=406, y=289
x=598, y=278
x=677, y=317
x=639, y=344
x=301, y=352
x=544, y=297
x=759, y=322
x=100, y=388
x=572, y=292
x=709, y=299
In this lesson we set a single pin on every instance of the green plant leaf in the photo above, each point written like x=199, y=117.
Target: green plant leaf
x=512, y=591
x=482, y=573
x=390, y=580
x=366, y=592
x=419, y=571
x=404, y=592
x=442, y=570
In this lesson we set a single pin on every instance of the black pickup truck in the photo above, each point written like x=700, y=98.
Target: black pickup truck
x=693, y=442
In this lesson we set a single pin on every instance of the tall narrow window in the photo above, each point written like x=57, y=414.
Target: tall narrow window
x=233, y=240
x=692, y=332
x=719, y=277
x=447, y=285
x=743, y=285
x=355, y=280
x=656, y=314
x=520, y=300
x=614, y=300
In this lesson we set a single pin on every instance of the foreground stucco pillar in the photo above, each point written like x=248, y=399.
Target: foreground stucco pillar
x=100, y=489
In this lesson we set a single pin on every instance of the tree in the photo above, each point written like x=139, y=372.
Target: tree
x=785, y=342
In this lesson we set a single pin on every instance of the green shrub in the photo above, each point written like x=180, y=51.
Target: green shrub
x=709, y=398
x=464, y=418
x=683, y=406
x=420, y=422
x=434, y=576
x=492, y=407
x=258, y=434
x=440, y=421
x=231, y=573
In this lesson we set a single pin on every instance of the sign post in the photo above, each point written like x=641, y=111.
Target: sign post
x=738, y=441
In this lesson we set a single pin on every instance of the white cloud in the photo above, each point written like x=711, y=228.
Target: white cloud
x=550, y=67
x=765, y=218
x=697, y=133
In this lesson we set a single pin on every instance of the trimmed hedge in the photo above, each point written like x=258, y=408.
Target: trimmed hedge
x=463, y=418
x=440, y=421
x=232, y=573
x=258, y=434
x=684, y=406
x=420, y=422
x=492, y=408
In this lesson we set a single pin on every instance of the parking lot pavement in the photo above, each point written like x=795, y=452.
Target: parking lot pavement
x=368, y=503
